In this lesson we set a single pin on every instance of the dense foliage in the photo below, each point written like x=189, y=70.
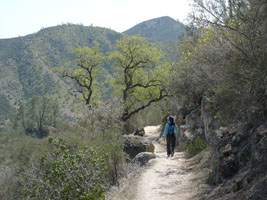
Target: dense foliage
x=138, y=76
x=18, y=153
x=92, y=144
x=36, y=115
x=87, y=73
x=225, y=58
x=68, y=173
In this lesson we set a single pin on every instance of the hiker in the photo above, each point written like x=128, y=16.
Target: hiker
x=170, y=133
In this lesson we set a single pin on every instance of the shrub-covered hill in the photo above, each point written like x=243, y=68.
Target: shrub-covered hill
x=162, y=29
x=26, y=62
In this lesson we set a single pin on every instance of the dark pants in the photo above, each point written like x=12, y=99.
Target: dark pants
x=171, y=139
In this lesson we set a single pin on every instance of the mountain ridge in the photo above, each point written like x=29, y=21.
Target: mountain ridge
x=162, y=29
x=27, y=62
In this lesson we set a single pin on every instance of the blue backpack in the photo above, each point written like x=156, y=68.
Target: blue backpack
x=171, y=129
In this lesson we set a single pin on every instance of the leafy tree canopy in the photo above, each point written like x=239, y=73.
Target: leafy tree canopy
x=225, y=57
x=137, y=74
x=86, y=73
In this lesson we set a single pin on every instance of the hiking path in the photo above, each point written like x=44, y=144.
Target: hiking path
x=164, y=178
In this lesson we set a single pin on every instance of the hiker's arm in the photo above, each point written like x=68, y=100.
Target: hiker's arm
x=165, y=131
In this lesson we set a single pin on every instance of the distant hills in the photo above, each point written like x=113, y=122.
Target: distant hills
x=27, y=63
x=162, y=29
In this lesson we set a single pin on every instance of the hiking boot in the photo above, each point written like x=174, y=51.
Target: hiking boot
x=172, y=154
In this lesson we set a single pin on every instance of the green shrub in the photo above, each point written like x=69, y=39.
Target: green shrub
x=108, y=141
x=195, y=147
x=101, y=131
x=18, y=153
x=68, y=173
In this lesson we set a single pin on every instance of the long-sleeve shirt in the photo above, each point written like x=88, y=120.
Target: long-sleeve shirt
x=166, y=130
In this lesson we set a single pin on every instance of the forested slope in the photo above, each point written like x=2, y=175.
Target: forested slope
x=27, y=62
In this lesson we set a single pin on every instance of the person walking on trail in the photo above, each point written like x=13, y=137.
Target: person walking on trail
x=170, y=133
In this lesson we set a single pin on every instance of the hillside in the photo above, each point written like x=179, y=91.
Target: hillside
x=162, y=29
x=26, y=63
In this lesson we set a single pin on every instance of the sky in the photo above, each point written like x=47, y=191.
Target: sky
x=23, y=17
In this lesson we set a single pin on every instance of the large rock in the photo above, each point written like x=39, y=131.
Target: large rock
x=139, y=132
x=134, y=145
x=238, y=163
x=143, y=158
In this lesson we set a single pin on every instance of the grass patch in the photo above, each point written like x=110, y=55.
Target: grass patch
x=196, y=146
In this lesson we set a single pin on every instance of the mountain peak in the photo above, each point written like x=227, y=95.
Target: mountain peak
x=163, y=18
x=162, y=29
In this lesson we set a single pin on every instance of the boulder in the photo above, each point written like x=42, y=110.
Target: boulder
x=193, y=119
x=139, y=132
x=143, y=158
x=134, y=145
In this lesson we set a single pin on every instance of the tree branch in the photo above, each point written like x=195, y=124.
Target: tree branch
x=128, y=115
x=146, y=85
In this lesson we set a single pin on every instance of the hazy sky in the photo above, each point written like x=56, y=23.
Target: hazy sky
x=22, y=17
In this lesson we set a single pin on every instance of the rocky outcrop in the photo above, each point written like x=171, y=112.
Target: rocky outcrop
x=239, y=162
x=241, y=170
x=238, y=165
x=193, y=120
x=139, y=132
x=193, y=126
x=134, y=145
x=143, y=158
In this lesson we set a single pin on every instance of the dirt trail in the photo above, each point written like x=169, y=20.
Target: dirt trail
x=164, y=178
x=167, y=178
